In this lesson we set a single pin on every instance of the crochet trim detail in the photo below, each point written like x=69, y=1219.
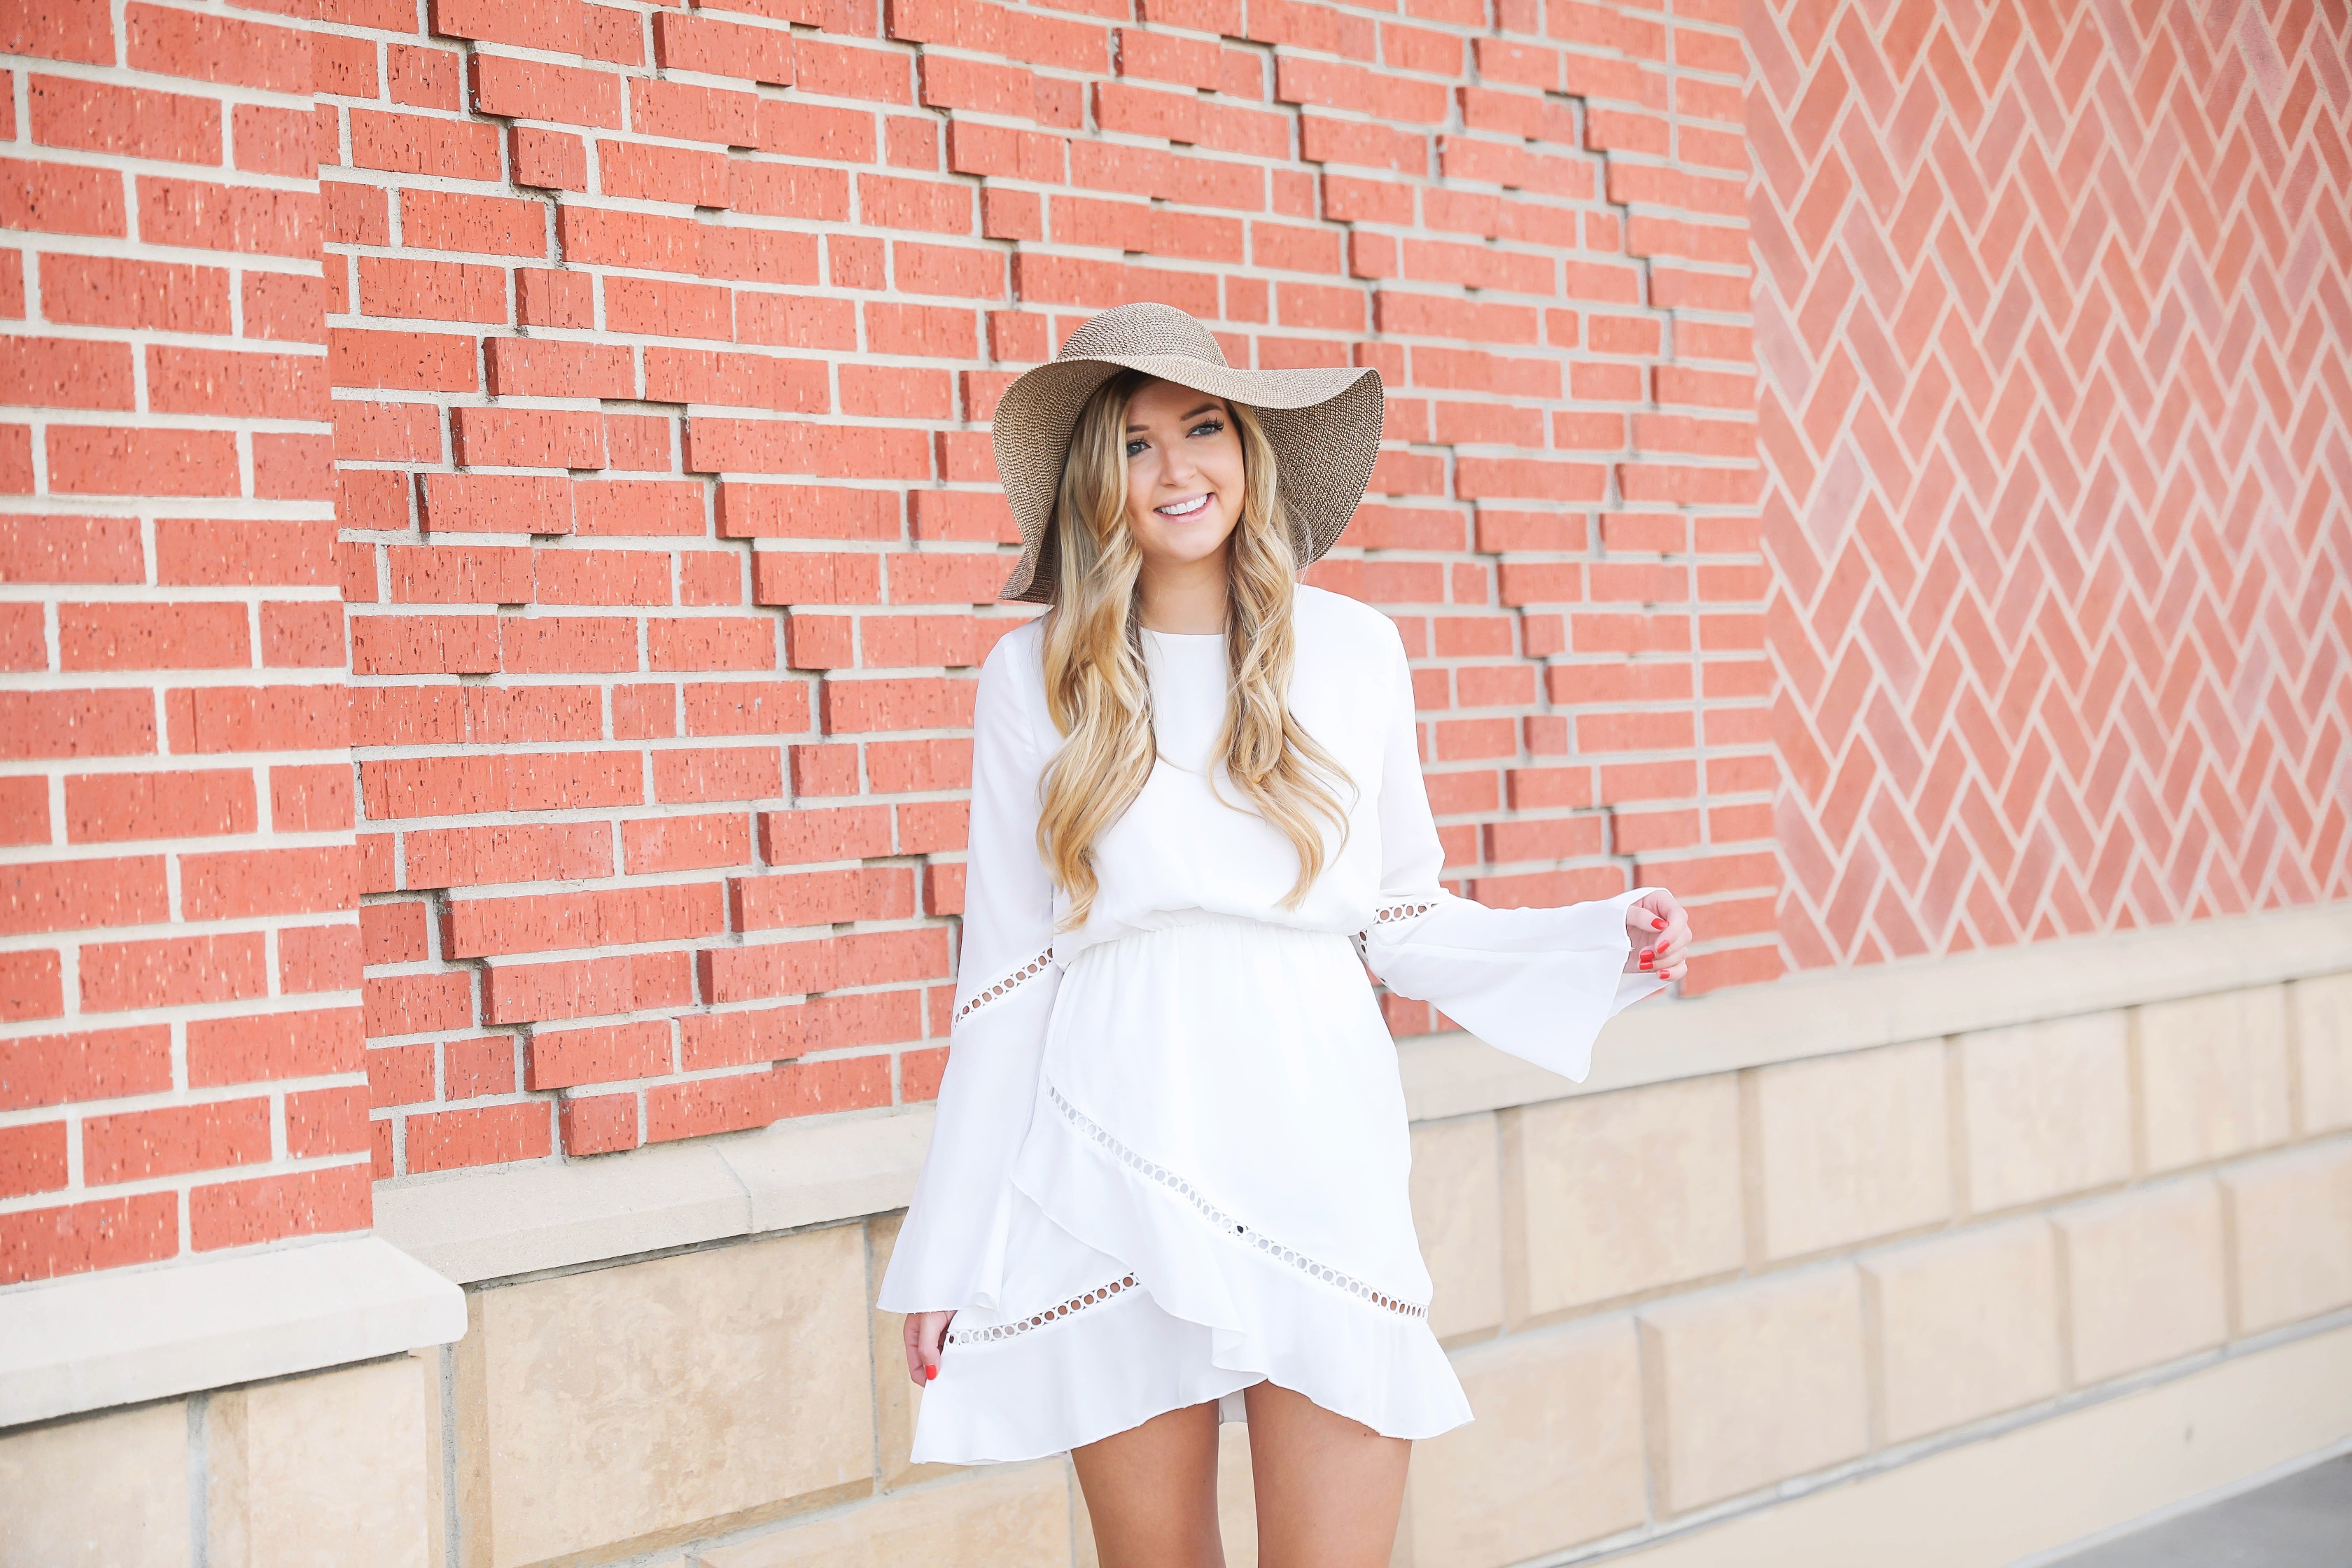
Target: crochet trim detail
x=1225, y=1222
x=995, y=1332
x=1004, y=987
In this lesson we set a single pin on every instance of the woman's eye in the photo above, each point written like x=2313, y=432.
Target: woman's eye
x=1135, y=449
x=1209, y=427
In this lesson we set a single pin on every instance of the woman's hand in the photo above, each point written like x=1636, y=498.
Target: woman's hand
x=924, y=1330
x=1660, y=933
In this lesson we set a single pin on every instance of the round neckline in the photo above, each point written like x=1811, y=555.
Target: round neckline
x=1155, y=631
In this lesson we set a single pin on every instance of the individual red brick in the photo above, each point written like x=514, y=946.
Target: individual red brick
x=555, y=26
x=639, y=507
x=449, y=220
x=271, y=141
x=417, y=1003
x=154, y=636
x=106, y=291
x=71, y=549
x=76, y=723
x=632, y=170
x=139, y=1145
x=495, y=503
x=270, y=1208
x=274, y=1046
x=315, y=958
x=527, y=437
x=60, y=30
x=530, y=90
x=171, y=971
x=599, y=1125
x=112, y=1233
x=59, y=198
x=327, y=1121
x=656, y=845
x=651, y=307
x=399, y=1075
x=124, y=122
x=520, y=852
x=285, y=306
x=553, y=160
x=66, y=373
x=104, y=1064
x=561, y=1058
x=227, y=218
x=237, y=385
x=247, y=883
x=432, y=291
x=530, y=993
x=103, y=808
x=226, y=49
x=817, y=130
x=695, y=43
x=78, y=895
x=539, y=367
x=33, y=1159
x=209, y=552
x=424, y=144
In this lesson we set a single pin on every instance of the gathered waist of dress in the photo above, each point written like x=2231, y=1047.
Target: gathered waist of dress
x=1167, y=923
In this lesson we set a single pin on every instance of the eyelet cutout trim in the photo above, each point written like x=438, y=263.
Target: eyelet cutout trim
x=1226, y=1223
x=1395, y=912
x=1006, y=986
x=995, y=1332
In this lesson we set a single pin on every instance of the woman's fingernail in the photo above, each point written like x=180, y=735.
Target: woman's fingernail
x=930, y=1373
x=1658, y=925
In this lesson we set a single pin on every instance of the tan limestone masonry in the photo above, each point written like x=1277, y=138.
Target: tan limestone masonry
x=1965, y=1326
x=2147, y=1278
x=332, y=1470
x=1682, y=1309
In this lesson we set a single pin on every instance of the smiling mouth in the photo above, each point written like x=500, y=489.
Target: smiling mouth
x=1191, y=505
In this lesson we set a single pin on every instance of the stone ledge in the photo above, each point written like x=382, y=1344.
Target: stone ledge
x=490, y=1225
x=91, y=1340
x=1826, y=1013
x=520, y=1219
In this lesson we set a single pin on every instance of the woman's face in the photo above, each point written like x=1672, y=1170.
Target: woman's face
x=1183, y=473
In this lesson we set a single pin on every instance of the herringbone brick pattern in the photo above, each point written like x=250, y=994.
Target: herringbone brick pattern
x=2052, y=320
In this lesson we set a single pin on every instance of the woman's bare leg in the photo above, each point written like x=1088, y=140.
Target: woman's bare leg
x=1151, y=1491
x=1329, y=1490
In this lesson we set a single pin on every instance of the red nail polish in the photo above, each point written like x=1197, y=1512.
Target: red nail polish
x=930, y=1373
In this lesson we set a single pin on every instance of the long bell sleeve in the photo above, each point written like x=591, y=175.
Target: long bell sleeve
x=951, y=1250
x=1535, y=982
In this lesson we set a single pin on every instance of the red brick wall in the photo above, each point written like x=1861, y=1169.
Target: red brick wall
x=662, y=342
x=2052, y=319
x=180, y=1044
x=671, y=543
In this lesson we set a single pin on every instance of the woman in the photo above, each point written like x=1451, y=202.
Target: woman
x=1168, y=1179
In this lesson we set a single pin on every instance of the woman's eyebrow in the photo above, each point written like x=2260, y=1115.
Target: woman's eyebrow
x=1204, y=408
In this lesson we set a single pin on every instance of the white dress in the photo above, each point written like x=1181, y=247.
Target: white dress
x=1172, y=1150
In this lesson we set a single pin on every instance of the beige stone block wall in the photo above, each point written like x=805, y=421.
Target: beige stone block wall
x=1457, y=1214
x=2319, y=1012
x=2291, y=1220
x=1553, y=1458
x=991, y=1516
x=1848, y=1148
x=98, y=1491
x=2213, y=1076
x=2045, y=1110
x=2146, y=1279
x=649, y=1403
x=1609, y=1195
x=330, y=1471
x=1966, y=1326
x=1753, y=1383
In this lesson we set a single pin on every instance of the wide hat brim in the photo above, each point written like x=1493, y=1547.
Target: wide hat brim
x=1323, y=424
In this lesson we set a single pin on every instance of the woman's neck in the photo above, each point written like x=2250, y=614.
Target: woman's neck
x=1187, y=601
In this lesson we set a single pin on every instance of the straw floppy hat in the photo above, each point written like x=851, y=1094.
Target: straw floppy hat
x=1324, y=424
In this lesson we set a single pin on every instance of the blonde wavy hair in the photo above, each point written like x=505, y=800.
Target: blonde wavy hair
x=1096, y=685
